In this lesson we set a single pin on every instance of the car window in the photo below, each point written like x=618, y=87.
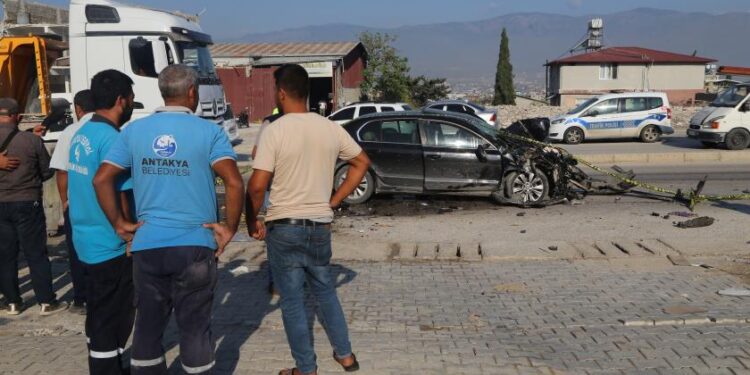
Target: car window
x=387, y=109
x=439, y=107
x=446, y=135
x=634, y=104
x=460, y=108
x=394, y=131
x=366, y=110
x=344, y=114
x=654, y=103
x=604, y=108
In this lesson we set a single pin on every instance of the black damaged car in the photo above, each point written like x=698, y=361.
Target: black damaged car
x=433, y=152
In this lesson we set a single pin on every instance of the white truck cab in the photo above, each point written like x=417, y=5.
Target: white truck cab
x=726, y=120
x=140, y=42
x=643, y=115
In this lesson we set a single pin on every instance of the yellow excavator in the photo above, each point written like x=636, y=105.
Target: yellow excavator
x=24, y=73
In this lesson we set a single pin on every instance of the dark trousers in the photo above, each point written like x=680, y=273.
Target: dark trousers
x=23, y=226
x=183, y=278
x=110, y=314
x=77, y=268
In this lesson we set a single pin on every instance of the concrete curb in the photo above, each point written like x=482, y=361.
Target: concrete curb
x=670, y=158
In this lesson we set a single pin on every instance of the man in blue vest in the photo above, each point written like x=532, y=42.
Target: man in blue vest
x=110, y=313
x=173, y=157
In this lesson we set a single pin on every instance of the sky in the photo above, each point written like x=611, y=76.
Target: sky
x=233, y=18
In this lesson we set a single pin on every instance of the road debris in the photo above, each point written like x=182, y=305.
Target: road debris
x=683, y=214
x=241, y=270
x=735, y=292
x=552, y=248
x=701, y=222
x=678, y=260
x=521, y=214
x=655, y=214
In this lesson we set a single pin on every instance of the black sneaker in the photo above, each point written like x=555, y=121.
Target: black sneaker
x=52, y=308
x=78, y=308
x=14, y=309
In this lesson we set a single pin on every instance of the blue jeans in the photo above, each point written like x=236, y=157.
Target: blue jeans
x=298, y=254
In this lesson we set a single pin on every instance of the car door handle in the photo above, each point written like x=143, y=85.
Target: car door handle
x=435, y=157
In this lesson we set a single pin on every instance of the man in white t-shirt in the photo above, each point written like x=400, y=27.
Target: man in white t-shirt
x=84, y=109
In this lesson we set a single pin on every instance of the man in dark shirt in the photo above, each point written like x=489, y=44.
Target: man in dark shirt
x=22, y=221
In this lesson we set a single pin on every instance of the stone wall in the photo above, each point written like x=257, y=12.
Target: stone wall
x=38, y=13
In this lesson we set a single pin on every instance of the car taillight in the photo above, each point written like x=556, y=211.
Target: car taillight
x=669, y=113
x=494, y=117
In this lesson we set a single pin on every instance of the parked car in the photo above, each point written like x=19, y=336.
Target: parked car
x=726, y=120
x=643, y=115
x=469, y=108
x=230, y=126
x=429, y=151
x=356, y=110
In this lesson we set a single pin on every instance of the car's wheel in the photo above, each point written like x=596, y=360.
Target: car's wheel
x=526, y=187
x=363, y=192
x=573, y=136
x=709, y=144
x=737, y=139
x=650, y=134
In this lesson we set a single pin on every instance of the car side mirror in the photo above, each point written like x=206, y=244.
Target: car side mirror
x=481, y=153
x=746, y=107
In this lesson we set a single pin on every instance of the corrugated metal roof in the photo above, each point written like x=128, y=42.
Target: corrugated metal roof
x=631, y=55
x=259, y=50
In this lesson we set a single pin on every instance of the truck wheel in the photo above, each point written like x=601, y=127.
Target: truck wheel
x=526, y=187
x=650, y=134
x=363, y=192
x=573, y=136
x=737, y=139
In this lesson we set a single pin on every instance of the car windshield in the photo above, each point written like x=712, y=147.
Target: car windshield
x=582, y=106
x=197, y=56
x=731, y=96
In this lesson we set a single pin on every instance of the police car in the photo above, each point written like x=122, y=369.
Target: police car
x=643, y=115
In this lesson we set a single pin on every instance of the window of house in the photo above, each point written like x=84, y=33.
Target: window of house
x=607, y=72
x=366, y=110
x=446, y=135
x=142, y=58
x=395, y=131
x=344, y=114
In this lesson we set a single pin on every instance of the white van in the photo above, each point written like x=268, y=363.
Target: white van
x=726, y=120
x=643, y=115
x=357, y=110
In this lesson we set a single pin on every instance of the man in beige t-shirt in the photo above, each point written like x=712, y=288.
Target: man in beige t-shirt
x=300, y=151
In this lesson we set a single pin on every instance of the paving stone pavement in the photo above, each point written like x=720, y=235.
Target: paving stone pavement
x=521, y=317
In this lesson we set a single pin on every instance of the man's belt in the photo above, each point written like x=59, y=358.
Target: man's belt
x=297, y=222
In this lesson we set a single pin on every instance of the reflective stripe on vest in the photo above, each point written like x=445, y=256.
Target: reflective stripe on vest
x=198, y=370
x=146, y=362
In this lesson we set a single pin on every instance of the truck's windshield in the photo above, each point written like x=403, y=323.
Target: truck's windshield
x=731, y=96
x=198, y=57
x=582, y=106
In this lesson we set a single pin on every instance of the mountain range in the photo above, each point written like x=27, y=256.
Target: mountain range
x=467, y=52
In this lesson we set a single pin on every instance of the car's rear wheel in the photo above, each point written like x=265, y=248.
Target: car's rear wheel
x=573, y=136
x=526, y=187
x=650, y=134
x=737, y=139
x=364, y=191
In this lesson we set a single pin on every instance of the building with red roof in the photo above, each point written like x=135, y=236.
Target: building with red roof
x=575, y=78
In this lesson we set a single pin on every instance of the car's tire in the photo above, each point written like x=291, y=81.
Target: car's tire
x=650, y=134
x=526, y=187
x=737, y=139
x=709, y=144
x=363, y=192
x=573, y=136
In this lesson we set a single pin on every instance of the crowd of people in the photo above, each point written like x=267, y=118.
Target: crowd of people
x=142, y=225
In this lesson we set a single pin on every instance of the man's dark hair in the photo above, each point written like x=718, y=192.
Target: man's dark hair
x=107, y=86
x=293, y=79
x=8, y=107
x=85, y=100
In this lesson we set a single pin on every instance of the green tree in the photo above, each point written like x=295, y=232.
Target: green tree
x=386, y=77
x=424, y=89
x=504, y=91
